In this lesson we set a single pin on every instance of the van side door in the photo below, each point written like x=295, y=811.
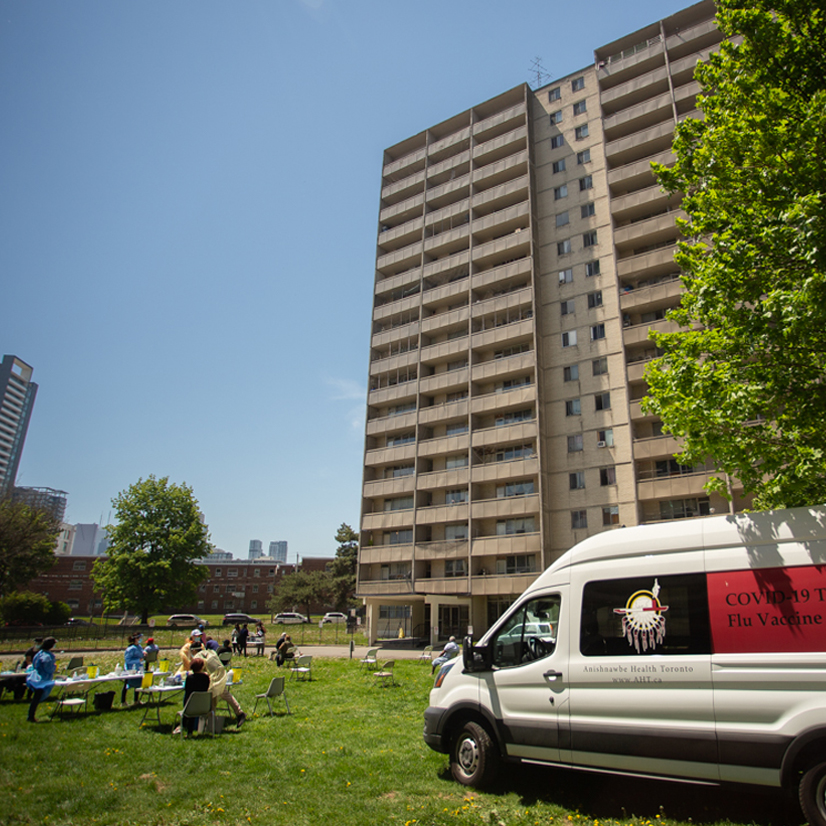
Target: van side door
x=526, y=688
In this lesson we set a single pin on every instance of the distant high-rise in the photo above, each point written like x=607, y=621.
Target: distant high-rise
x=278, y=550
x=17, y=393
x=256, y=549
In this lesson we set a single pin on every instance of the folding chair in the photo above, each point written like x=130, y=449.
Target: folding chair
x=427, y=655
x=302, y=668
x=276, y=689
x=73, y=695
x=385, y=673
x=370, y=662
x=226, y=658
x=198, y=704
x=149, y=658
x=75, y=663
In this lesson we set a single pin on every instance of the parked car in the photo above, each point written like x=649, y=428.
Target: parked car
x=334, y=616
x=77, y=621
x=231, y=619
x=289, y=618
x=178, y=620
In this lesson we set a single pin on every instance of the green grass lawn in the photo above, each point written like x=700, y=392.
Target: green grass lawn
x=350, y=753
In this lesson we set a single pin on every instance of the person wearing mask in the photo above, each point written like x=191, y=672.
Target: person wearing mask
x=41, y=677
x=186, y=651
x=133, y=661
x=218, y=683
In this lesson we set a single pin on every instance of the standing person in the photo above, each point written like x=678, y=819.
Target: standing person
x=133, y=661
x=41, y=677
x=236, y=632
x=242, y=639
x=450, y=650
x=198, y=680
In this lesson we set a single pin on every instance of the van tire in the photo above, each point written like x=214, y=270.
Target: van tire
x=812, y=793
x=474, y=760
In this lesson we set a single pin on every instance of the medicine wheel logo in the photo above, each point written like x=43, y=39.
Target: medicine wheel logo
x=643, y=623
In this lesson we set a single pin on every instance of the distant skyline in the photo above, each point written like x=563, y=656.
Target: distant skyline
x=188, y=216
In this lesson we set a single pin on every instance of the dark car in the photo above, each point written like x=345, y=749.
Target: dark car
x=231, y=619
x=77, y=621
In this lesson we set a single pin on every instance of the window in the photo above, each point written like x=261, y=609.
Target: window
x=610, y=515
x=605, y=632
x=456, y=461
x=602, y=401
x=605, y=438
x=256, y=572
x=216, y=589
x=581, y=132
x=401, y=470
x=599, y=367
x=514, y=417
x=510, y=527
x=684, y=508
x=79, y=565
x=456, y=429
x=508, y=454
x=576, y=481
x=563, y=247
x=579, y=519
x=554, y=94
x=575, y=443
x=597, y=332
x=569, y=339
x=561, y=192
x=559, y=166
x=562, y=219
x=254, y=604
x=400, y=409
x=217, y=572
x=577, y=84
x=592, y=268
x=586, y=182
x=515, y=489
x=587, y=210
x=76, y=585
x=255, y=589
x=512, y=384
x=228, y=589
x=556, y=117
x=457, y=396
x=519, y=564
x=455, y=567
x=607, y=476
x=398, y=537
x=567, y=307
x=232, y=573
x=455, y=497
x=589, y=239
x=594, y=299
x=401, y=439
x=456, y=365
x=400, y=503
x=529, y=634
x=580, y=107
x=453, y=532
x=396, y=570
x=571, y=373
x=557, y=141
x=583, y=157
x=573, y=407
x=566, y=276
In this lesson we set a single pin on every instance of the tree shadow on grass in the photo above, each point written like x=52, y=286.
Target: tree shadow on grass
x=604, y=796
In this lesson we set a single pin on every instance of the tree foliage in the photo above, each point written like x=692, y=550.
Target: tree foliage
x=154, y=543
x=343, y=568
x=301, y=589
x=743, y=381
x=28, y=608
x=27, y=544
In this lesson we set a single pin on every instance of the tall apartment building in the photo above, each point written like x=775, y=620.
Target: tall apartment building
x=278, y=550
x=524, y=252
x=17, y=394
x=256, y=549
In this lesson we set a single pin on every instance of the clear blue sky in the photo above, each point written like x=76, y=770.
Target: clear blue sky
x=188, y=212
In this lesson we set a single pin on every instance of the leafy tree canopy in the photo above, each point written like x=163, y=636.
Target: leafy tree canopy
x=743, y=381
x=28, y=608
x=154, y=544
x=303, y=588
x=343, y=568
x=27, y=543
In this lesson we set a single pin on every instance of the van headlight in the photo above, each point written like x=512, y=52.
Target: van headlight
x=443, y=672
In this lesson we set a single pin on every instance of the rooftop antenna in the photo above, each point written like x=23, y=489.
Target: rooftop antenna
x=542, y=74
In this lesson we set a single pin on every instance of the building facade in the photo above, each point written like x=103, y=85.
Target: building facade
x=278, y=550
x=17, y=394
x=524, y=253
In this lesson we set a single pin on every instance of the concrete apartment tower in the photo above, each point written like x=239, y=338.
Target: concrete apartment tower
x=278, y=550
x=524, y=252
x=17, y=394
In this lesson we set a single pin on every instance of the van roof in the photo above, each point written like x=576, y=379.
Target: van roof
x=752, y=529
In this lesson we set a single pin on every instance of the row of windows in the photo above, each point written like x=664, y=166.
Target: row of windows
x=568, y=306
x=577, y=85
x=605, y=438
x=602, y=401
x=567, y=276
x=589, y=239
x=578, y=108
x=607, y=477
x=558, y=141
x=569, y=337
x=585, y=211
x=610, y=516
x=599, y=367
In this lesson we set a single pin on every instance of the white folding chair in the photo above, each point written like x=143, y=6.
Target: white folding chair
x=427, y=655
x=385, y=673
x=198, y=704
x=276, y=689
x=370, y=661
x=302, y=668
x=73, y=695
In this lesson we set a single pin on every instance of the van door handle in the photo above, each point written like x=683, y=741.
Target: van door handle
x=551, y=676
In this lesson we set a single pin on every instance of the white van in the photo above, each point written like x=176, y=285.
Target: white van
x=690, y=650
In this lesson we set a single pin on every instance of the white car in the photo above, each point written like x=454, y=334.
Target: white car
x=334, y=616
x=289, y=618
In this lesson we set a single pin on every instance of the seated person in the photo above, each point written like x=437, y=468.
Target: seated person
x=151, y=648
x=187, y=651
x=198, y=680
x=450, y=650
x=211, y=644
x=218, y=683
x=284, y=650
x=226, y=648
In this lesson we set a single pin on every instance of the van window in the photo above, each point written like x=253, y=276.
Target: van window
x=528, y=634
x=645, y=615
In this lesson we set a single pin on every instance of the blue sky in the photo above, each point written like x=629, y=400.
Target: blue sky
x=188, y=212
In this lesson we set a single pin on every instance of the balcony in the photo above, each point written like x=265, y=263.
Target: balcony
x=444, y=445
x=441, y=321
x=633, y=206
x=448, y=166
x=439, y=514
x=504, y=400
x=661, y=295
x=400, y=165
x=503, y=471
x=506, y=434
x=449, y=142
x=394, y=334
x=384, y=587
x=634, y=91
x=442, y=549
x=379, y=488
x=501, y=172
x=444, y=294
x=511, y=271
x=449, y=242
x=389, y=424
x=403, y=258
x=506, y=507
x=435, y=480
x=501, y=368
x=516, y=244
x=445, y=351
x=520, y=543
x=501, y=146
x=673, y=487
x=444, y=382
x=387, y=520
x=454, y=585
x=640, y=144
x=446, y=193
x=656, y=447
x=637, y=175
x=403, y=305
x=643, y=115
x=507, y=117
x=638, y=334
x=446, y=265
x=439, y=413
x=370, y=554
x=647, y=264
x=406, y=279
x=402, y=211
x=496, y=224
x=401, y=190
x=499, y=197
x=500, y=335
x=404, y=391
x=390, y=455
x=447, y=213
x=655, y=230
x=501, y=585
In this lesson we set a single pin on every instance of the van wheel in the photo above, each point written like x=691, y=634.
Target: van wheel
x=474, y=759
x=813, y=795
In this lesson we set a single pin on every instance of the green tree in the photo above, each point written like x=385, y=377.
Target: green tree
x=343, y=568
x=742, y=382
x=28, y=608
x=153, y=547
x=27, y=544
x=303, y=588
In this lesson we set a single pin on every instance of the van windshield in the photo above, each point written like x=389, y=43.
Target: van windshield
x=528, y=634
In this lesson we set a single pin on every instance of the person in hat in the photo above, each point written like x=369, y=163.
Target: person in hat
x=187, y=651
x=151, y=647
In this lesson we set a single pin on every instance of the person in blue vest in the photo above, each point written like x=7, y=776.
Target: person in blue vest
x=41, y=677
x=133, y=660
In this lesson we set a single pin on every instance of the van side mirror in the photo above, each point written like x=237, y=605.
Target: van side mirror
x=475, y=657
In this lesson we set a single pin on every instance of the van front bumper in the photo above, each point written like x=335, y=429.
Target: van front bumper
x=433, y=718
